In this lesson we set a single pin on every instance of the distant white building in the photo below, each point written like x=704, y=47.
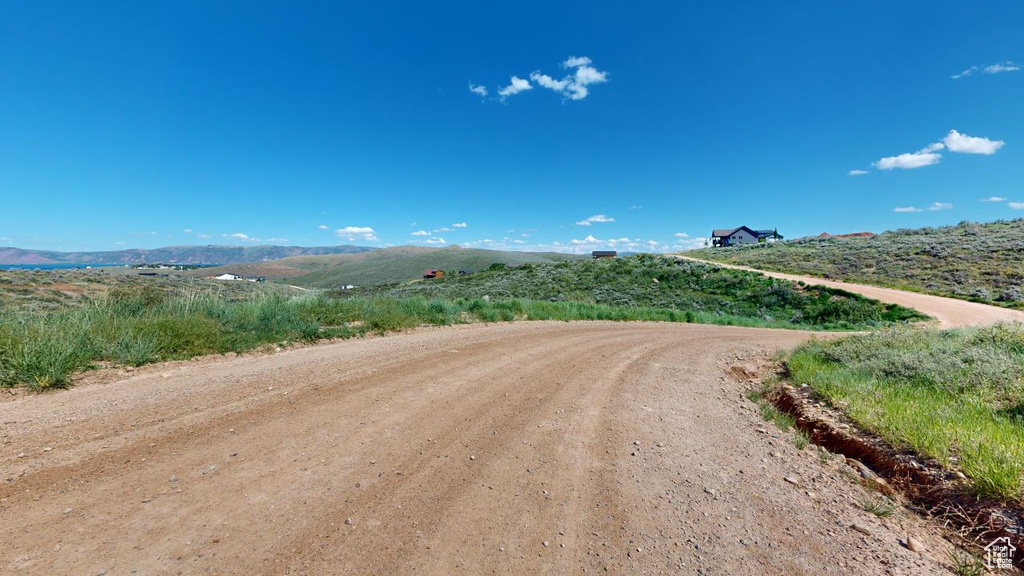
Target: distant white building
x=227, y=277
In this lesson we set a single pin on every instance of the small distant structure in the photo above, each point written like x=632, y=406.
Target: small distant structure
x=598, y=254
x=229, y=276
x=845, y=236
x=465, y=272
x=433, y=273
x=724, y=237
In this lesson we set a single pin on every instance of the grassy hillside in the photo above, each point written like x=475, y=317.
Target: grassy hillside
x=139, y=321
x=397, y=264
x=54, y=289
x=664, y=283
x=983, y=262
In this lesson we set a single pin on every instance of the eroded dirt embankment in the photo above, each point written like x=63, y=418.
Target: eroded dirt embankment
x=933, y=489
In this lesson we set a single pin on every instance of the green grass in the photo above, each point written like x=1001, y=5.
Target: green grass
x=710, y=293
x=136, y=322
x=980, y=262
x=956, y=396
x=132, y=327
x=964, y=564
x=882, y=508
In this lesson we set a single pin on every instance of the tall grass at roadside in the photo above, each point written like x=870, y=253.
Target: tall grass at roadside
x=137, y=326
x=954, y=395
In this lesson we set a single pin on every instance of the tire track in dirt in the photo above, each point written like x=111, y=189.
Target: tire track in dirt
x=448, y=451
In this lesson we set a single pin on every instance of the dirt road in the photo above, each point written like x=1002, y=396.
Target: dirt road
x=530, y=448
x=949, y=312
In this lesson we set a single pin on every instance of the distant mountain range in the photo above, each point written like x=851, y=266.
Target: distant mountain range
x=173, y=255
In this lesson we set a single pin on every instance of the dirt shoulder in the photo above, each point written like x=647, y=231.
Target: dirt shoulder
x=523, y=448
x=949, y=312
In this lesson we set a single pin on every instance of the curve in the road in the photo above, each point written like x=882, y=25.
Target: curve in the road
x=949, y=312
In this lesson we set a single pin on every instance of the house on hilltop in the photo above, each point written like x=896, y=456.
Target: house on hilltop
x=597, y=254
x=743, y=235
x=433, y=273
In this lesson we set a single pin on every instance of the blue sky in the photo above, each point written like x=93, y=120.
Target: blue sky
x=147, y=124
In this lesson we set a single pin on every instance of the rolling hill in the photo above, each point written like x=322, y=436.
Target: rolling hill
x=972, y=261
x=398, y=264
x=171, y=255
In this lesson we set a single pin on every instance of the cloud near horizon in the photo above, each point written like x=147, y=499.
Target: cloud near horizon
x=599, y=218
x=352, y=233
x=933, y=207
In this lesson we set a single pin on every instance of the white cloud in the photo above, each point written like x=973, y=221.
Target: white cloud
x=1001, y=67
x=443, y=229
x=965, y=73
x=357, y=232
x=574, y=86
x=420, y=233
x=908, y=160
x=681, y=235
x=548, y=82
x=477, y=89
x=324, y=227
x=994, y=199
x=690, y=244
x=188, y=230
x=857, y=172
x=519, y=241
x=600, y=218
x=997, y=68
x=1016, y=205
x=437, y=240
x=203, y=236
x=238, y=236
x=933, y=207
x=460, y=225
x=588, y=240
x=516, y=86
x=964, y=144
x=953, y=141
